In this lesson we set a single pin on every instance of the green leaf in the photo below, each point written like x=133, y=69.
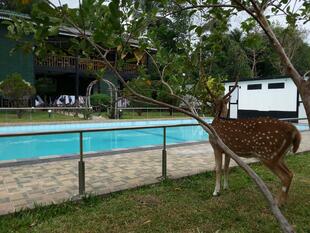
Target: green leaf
x=199, y=30
x=53, y=31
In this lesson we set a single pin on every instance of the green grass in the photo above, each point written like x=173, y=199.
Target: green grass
x=40, y=116
x=149, y=115
x=130, y=115
x=184, y=205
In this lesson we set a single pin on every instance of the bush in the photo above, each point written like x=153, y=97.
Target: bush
x=87, y=114
x=45, y=86
x=145, y=87
x=100, y=101
x=17, y=90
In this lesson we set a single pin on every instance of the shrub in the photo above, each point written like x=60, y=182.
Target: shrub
x=17, y=90
x=45, y=86
x=145, y=87
x=100, y=101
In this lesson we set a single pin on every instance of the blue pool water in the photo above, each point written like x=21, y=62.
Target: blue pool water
x=29, y=147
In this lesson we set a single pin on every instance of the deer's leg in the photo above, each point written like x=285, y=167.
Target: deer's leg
x=287, y=186
x=226, y=170
x=218, y=170
x=280, y=171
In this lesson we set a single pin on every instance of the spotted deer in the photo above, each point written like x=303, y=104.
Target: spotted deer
x=265, y=139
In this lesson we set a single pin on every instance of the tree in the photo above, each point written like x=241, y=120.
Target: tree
x=203, y=88
x=258, y=12
x=255, y=47
x=23, y=6
x=292, y=41
x=17, y=90
x=114, y=24
x=45, y=86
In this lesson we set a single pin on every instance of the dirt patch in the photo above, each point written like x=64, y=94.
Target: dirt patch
x=147, y=200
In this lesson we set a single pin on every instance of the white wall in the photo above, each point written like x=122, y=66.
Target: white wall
x=267, y=99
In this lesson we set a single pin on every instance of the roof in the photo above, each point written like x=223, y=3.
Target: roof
x=70, y=31
x=64, y=30
x=259, y=78
x=8, y=15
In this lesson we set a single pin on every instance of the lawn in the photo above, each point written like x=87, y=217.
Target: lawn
x=38, y=116
x=150, y=115
x=184, y=205
x=43, y=116
x=131, y=115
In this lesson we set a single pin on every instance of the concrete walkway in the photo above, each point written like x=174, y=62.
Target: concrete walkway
x=54, y=182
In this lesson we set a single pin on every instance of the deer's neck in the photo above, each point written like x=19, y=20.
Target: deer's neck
x=220, y=116
x=223, y=113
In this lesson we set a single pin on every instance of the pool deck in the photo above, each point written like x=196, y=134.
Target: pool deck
x=24, y=186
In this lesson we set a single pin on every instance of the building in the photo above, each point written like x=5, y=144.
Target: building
x=270, y=96
x=66, y=74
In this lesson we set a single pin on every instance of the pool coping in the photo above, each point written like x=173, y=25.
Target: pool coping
x=90, y=121
x=55, y=158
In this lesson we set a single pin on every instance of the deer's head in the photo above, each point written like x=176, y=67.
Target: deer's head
x=220, y=107
x=219, y=104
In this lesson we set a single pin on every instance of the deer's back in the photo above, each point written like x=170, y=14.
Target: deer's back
x=263, y=138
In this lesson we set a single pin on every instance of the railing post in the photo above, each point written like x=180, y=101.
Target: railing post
x=164, y=155
x=81, y=168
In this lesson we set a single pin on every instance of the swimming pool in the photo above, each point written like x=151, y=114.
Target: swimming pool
x=40, y=146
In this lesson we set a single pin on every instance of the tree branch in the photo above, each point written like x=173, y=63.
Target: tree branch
x=200, y=7
x=285, y=226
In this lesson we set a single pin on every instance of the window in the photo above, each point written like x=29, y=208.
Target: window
x=254, y=86
x=276, y=85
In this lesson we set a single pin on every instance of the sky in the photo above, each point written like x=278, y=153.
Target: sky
x=71, y=3
x=235, y=22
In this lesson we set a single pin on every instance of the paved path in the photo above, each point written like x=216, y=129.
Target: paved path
x=44, y=183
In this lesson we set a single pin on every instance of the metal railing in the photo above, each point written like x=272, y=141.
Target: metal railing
x=81, y=162
x=84, y=64
x=294, y=119
x=69, y=63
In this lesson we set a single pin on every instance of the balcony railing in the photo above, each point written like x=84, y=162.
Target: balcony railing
x=68, y=63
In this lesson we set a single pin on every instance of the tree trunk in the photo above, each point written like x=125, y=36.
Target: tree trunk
x=304, y=91
x=254, y=64
x=302, y=85
x=285, y=226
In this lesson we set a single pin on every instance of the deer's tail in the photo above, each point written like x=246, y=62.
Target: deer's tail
x=296, y=140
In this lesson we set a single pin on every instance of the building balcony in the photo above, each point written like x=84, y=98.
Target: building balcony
x=68, y=64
